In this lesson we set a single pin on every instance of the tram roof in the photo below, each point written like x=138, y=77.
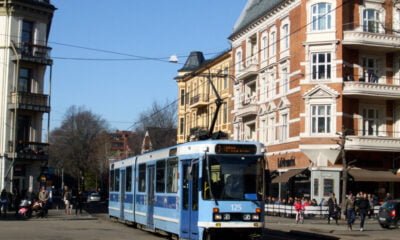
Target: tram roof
x=188, y=148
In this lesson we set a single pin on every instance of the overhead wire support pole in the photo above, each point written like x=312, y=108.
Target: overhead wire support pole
x=345, y=176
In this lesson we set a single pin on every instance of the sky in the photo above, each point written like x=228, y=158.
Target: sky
x=111, y=57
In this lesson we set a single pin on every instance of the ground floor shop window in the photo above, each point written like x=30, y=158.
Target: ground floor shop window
x=328, y=187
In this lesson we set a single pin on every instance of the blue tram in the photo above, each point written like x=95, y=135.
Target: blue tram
x=197, y=190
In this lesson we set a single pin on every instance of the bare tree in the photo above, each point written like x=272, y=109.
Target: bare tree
x=158, y=116
x=74, y=146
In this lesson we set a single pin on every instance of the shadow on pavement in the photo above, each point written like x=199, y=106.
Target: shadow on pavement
x=96, y=207
x=295, y=234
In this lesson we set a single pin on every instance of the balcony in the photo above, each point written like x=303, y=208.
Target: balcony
x=371, y=90
x=30, y=151
x=365, y=37
x=249, y=69
x=29, y=101
x=248, y=106
x=373, y=143
x=33, y=53
x=199, y=100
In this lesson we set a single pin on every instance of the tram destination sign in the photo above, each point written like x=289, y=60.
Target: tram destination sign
x=235, y=149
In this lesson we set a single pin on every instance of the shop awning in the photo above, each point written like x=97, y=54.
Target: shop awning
x=363, y=175
x=284, y=177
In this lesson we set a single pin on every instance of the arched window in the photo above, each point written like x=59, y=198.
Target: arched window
x=321, y=16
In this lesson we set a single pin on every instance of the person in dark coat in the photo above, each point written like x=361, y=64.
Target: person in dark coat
x=332, y=209
x=363, y=208
x=79, y=203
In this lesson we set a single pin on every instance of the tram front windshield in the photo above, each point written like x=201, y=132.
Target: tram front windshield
x=233, y=178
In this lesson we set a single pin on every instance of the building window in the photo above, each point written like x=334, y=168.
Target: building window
x=160, y=176
x=23, y=128
x=271, y=84
x=284, y=81
x=27, y=32
x=226, y=78
x=328, y=187
x=271, y=129
x=371, y=20
x=321, y=16
x=321, y=119
x=321, y=66
x=370, y=122
x=225, y=113
x=316, y=186
x=24, y=82
x=285, y=37
x=370, y=67
x=172, y=175
x=264, y=47
x=182, y=97
x=272, y=44
x=181, y=126
x=239, y=63
x=284, y=127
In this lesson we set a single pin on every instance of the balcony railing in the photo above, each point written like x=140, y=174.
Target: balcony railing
x=29, y=101
x=371, y=90
x=248, y=69
x=30, y=150
x=373, y=139
x=34, y=52
x=199, y=100
x=371, y=35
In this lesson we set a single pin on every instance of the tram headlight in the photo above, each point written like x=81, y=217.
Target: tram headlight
x=255, y=217
x=217, y=217
x=246, y=217
x=227, y=217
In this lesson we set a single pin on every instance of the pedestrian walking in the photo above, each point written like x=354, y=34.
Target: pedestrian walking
x=43, y=201
x=332, y=209
x=79, y=203
x=67, y=200
x=299, y=208
x=362, y=208
x=350, y=212
x=3, y=202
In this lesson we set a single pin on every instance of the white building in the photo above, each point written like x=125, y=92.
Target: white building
x=24, y=91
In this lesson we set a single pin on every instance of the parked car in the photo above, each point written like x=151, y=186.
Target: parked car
x=93, y=197
x=389, y=213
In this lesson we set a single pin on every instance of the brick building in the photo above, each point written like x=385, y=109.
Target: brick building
x=309, y=69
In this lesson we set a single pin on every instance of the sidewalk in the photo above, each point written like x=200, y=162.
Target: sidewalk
x=314, y=226
x=53, y=214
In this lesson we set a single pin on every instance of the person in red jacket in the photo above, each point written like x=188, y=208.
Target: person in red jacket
x=299, y=208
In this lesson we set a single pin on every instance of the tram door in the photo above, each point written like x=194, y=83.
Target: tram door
x=190, y=200
x=122, y=200
x=150, y=196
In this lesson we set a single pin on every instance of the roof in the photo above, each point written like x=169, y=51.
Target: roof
x=253, y=10
x=284, y=177
x=158, y=138
x=364, y=175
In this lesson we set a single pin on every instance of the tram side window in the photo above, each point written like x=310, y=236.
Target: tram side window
x=111, y=180
x=160, y=178
x=172, y=175
x=116, y=182
x=142, y=178
x=128, y=179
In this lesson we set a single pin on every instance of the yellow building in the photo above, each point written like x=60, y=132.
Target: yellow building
x=197, y=100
